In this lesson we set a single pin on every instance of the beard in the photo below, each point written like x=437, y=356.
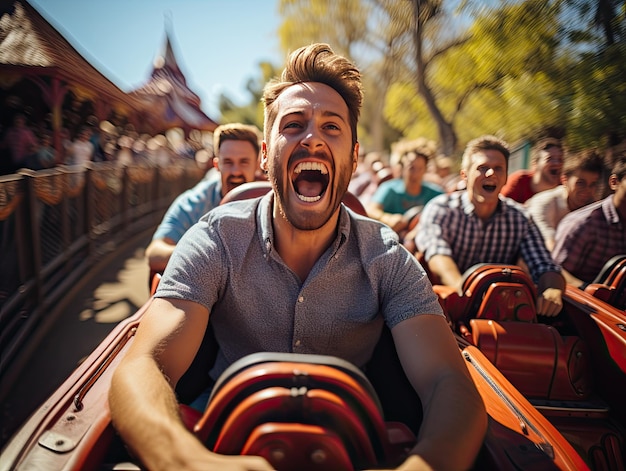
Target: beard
x=289, y=205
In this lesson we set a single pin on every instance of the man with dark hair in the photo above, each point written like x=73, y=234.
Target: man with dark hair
x=296, y=271
x=394, y=199
x=478, y=225
x=545, y=173
x=237, y=149
x=579, y=187
x=589, y=237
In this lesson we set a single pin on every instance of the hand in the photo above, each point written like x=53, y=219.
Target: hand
x=550, y=302
x=414, y=463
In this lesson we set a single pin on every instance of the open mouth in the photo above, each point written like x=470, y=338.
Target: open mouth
x=236, y=181
x=311, y=180
x=555, y=172
x=489, y=188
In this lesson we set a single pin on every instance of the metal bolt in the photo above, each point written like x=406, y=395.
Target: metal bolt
x=318, y=456
x=277, y=454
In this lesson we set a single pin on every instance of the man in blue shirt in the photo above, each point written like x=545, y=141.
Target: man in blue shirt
x=393, y=200
x=237, y=158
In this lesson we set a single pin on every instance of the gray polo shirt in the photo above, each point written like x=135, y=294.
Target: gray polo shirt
x=227, y=262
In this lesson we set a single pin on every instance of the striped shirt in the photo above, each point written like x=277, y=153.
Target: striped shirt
x=449, y=226
x=588, y=238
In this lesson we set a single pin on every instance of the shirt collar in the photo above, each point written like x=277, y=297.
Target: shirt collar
x=469, y=208
x=609, y=210
x=267, y=229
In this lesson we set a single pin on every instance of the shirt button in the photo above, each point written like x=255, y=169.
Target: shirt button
x=301, y=299
x=298, y=343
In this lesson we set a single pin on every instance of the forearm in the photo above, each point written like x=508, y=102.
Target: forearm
x=395, y=221
x=447, y=271
x=571, y=279
x=441, y=442
x=147, y=417
x=158, y=254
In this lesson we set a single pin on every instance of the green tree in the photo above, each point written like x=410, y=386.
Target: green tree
x=434, y=70
x=492, y=77
x=595, y=41
x=515, y=68
x=351, y=28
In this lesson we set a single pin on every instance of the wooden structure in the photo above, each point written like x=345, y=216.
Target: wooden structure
x=43, y=76
x=171, y=101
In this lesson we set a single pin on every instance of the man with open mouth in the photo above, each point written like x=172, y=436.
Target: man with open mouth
x=236, y=147
x=545, y=173
x=478, y=225
x=295, y=271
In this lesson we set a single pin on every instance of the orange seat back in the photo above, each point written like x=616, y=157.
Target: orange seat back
x=610, y=284
x=499, y=292
x=294, y=400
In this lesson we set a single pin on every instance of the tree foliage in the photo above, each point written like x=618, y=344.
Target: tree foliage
x=450, y=70
x=595, y=102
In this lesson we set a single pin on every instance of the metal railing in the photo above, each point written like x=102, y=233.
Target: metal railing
x=56, y=224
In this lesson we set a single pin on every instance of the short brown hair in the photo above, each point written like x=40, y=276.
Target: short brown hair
x=236, y=132
x=420, y=147
x=587, y=160
x=318, y=63
x=486, y=142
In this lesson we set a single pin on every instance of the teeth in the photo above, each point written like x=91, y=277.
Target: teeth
x=311, y=166
x=309, y=199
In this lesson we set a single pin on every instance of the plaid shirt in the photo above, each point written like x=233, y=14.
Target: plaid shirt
x=449, y=226
x=588, y=238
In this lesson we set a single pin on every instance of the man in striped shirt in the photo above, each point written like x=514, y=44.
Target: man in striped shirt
x=478, y=225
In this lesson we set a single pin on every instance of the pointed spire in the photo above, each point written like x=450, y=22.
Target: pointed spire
x=167, y=59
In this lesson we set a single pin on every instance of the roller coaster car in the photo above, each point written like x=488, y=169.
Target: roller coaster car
x=572, y=368
x=301, y=412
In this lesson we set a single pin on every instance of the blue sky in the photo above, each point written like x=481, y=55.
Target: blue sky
x=218, y=43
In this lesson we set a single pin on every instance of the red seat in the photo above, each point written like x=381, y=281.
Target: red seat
x=535, y=358
x=498, y=292
x=260, y=188
x=610, y=284
x=295, y=410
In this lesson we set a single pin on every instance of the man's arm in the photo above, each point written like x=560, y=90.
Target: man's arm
x=571, y=279
x=159, y=252
x=434, y=366
x=446, y=269
x=550, y=287
x=143, y=405
x=396, y=221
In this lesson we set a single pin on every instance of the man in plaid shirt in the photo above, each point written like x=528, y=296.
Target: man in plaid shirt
x=589, y=237
x=479, y=225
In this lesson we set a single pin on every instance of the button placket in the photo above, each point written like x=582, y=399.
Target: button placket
x=297, y=342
